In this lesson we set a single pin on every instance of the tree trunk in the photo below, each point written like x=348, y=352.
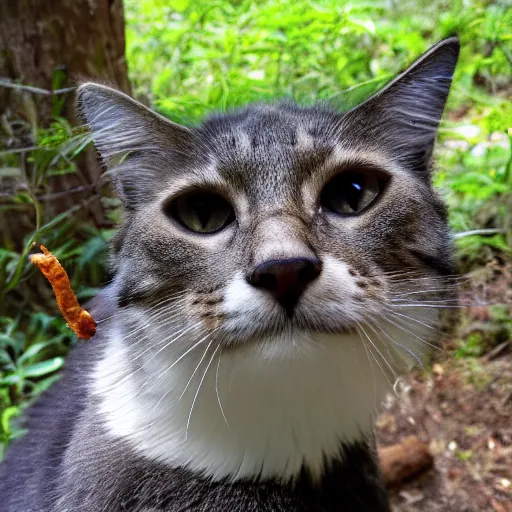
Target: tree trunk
x=54, y=44
x=81, y=38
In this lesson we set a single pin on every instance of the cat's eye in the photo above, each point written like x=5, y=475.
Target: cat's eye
x=201, y=212
x=351, y=192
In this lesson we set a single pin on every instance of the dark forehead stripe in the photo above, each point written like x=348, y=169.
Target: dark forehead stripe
x=269, y=150
x=274, y=123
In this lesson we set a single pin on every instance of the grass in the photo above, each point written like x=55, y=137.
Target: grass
x=189, y=58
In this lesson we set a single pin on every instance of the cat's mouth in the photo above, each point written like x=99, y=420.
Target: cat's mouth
x=257, y=320
x=236, y=329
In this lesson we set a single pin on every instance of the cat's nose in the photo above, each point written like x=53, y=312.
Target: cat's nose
x=286, y=279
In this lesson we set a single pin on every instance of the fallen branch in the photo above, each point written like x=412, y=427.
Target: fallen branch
x=497, y=351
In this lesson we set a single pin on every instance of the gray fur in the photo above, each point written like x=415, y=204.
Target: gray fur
x=271, y=163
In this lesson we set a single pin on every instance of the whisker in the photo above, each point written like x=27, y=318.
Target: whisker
x=199, y=387
x=162, y=398
x=411, y=333
x=143, y=387
x=196, y=368
x=382, y=357
x=174, y=297
x=182, y=333
x=428, y=326
x=217, y=389
x=155, y=323
x=410, y=352
x=434, y=279
x=181, y=357
x=431, y=306
x=151, y=346
x=99, y=322
x=371, y=367
x=426, y=302
x=417, y=292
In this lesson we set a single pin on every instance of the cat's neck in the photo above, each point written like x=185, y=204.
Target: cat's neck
x=267, y=410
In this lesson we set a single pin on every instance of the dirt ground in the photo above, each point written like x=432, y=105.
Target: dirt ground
x=462, y=408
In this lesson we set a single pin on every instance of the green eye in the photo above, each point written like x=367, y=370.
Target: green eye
x=201, y=212
x=351, y=192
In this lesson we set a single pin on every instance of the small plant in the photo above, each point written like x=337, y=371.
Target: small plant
x=471, y=346
x=34, y=338
x=28, y=362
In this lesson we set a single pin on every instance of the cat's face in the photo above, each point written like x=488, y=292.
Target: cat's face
x=278, y=218
x=276, y=268
x=288, y=191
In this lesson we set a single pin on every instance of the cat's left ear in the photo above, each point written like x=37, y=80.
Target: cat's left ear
x=403, y=117
x=138, y=146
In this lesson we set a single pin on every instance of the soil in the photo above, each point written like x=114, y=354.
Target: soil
x=462, y=408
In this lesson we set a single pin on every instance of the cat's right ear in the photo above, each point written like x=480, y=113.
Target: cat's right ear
x=127, y=135
x=404, y=116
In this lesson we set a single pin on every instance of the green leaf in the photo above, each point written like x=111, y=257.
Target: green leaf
x=43, y=368
x=32, y=351
x=9, y=380
x=7, y=414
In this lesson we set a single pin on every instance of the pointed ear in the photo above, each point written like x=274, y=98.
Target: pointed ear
x=133, y=141
x=405, y=114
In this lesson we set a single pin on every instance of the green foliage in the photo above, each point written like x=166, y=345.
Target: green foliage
x=29, y=359
x=188, y=58
x=464, y=455
x=483, y=336
x=34, y=338
x=472, y=346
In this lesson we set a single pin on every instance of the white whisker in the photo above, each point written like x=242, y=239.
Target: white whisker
x=197, y=366
x=428, y=326
x=375, y=394
x=180, y=335
x=382, y=357
x=432, y=306
x=401, y=327
x=217, y=389
x=409, y=351
x=199, y=386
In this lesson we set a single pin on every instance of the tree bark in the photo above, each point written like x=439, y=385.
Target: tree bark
x=54, y=44
x=79, y=38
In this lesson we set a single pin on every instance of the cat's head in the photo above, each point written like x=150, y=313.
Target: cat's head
x=278, y=219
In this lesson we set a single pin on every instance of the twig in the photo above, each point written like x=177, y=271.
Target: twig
x=29, y=88
x=15, y=276
x=63, y=91
x=63, y=193
x=490, y=231
x=497, y=351
x=36, y=90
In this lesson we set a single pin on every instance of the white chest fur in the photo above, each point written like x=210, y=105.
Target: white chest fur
x=278, y=412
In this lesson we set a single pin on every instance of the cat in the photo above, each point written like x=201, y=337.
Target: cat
x=276, y=268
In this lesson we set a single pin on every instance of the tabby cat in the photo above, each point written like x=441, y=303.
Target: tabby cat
x=276, y=268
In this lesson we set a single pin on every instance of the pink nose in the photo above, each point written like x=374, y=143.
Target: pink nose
x=286, y=279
